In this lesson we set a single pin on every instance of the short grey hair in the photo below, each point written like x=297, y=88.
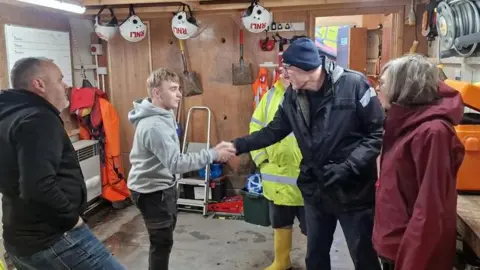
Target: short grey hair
x=410, y=80
x=24, y=70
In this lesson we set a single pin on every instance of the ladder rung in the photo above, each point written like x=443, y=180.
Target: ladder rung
x=191, y=181
x=187, y=208
x=190, y=202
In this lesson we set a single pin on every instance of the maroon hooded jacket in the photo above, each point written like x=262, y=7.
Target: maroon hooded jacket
x=416, y=199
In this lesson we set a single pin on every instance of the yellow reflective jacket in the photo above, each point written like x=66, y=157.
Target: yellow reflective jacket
x=278, y=163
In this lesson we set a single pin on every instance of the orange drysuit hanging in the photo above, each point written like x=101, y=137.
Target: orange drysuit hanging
x=276, y=77
x=260, y=86
x=99, y=120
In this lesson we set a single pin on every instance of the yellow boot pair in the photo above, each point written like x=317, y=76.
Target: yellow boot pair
x=283, y=245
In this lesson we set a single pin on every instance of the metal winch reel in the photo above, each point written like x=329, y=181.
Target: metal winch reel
x=458, y=25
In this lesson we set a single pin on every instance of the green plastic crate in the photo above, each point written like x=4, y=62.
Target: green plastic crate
x=255, y=208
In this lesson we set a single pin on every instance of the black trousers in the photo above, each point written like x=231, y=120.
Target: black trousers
x=283, y=216
x=357, y=225
x=387, y=265
x=159, y=211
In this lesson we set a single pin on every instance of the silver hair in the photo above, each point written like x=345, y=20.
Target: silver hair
x=410, y=80
x=24, y=70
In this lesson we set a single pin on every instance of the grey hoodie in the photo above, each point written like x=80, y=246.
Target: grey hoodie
x=155, y=156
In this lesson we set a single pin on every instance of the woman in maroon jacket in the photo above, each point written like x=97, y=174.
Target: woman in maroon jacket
x=415, y=212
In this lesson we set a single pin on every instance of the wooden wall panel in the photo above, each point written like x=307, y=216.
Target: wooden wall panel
x=129, y=65
x=212, y=59
x=409, y=34
x=30, y=17
x=387, y=39
x=211, y=56
x=357, y=53
x=371, y=21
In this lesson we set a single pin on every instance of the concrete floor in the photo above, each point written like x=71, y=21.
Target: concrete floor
x=204, y=243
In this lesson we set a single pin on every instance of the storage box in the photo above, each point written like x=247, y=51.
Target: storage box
x=468, y=131
x=255, y=208
x=217, y=187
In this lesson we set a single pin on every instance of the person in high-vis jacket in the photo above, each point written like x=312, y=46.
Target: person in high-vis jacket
x=279, y=168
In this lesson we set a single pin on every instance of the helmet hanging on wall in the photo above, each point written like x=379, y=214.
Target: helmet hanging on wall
x=256, y=18
x=106, y=31
x=133, y=29
x=184, y=25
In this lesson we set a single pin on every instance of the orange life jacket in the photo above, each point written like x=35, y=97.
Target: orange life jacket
x=276, y=76
x=260, y=86
x=98, y=120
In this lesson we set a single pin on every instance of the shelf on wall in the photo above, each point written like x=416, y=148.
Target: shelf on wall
x=293, y=27
x=457, y=60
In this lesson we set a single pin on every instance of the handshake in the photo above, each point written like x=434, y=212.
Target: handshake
x=225, y=151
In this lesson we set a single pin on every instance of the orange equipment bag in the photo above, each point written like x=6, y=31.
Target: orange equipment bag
x=468, y=131
x=260, y=86
x=99, y=121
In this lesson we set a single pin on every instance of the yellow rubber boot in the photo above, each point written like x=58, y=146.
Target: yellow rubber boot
x=282, y=239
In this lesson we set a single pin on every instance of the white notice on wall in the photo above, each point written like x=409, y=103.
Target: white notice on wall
x=31, y=42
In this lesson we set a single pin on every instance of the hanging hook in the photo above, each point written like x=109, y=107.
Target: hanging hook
x=83, y=73
x=274, y=38
x=279, y=36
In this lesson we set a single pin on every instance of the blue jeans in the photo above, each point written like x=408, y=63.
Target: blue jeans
x=76, y=249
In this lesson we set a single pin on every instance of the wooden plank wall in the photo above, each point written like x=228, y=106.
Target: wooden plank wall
x=371, y=21
x=409, y=31
x=30, y=17
x=210, y=55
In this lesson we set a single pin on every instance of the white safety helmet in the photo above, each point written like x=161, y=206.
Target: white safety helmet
x=184, y=25
x=133, y=29
x=106, y=31
x=256, y=18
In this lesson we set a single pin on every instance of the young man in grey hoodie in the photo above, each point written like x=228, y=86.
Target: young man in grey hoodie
x=157, y=162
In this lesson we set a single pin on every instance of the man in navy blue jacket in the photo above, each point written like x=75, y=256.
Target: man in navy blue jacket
x=337, y=120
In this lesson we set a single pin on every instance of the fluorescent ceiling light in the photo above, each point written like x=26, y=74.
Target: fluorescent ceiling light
x=56, y=4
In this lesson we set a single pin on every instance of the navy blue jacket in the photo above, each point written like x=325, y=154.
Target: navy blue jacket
x=346, y=129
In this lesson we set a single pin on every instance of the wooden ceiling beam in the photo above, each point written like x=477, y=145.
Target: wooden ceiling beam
x=226, y=4
x=45, y=10
x=194, y=5
x=87, y=3
x=281, y=5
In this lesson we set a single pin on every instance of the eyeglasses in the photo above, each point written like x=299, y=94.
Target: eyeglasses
x=284, y=70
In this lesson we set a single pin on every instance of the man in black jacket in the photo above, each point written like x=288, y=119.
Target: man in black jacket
x=43, y=189
x=338, y=123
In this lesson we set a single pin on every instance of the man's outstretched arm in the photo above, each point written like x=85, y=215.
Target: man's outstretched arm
x=274, y=132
